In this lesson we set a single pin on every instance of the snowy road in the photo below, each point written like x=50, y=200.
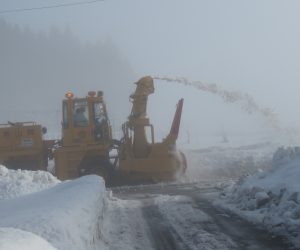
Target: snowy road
x=181, y=216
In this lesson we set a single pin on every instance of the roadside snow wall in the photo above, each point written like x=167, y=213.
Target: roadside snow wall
x=66, y=215
x=14, y=239
x=271, y=198
x=15, y=183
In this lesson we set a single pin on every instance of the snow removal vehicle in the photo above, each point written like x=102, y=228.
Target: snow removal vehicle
x=22, y=146
x=87, y=146
x=87, y=142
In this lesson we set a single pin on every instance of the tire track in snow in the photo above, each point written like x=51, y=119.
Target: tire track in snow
x=163, y=236
x=124, y=226
x=185, y=224
x=182, y=217
x=246, y=235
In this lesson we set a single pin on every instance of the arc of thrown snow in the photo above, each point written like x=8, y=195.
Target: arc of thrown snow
x=245, y=101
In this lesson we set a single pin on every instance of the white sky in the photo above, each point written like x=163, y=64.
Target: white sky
x=248, y=46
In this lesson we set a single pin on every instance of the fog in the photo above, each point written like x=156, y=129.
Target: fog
x=250, y=48
x=37, y=69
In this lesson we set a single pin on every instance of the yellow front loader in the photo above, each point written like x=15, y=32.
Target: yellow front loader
x=86, y=138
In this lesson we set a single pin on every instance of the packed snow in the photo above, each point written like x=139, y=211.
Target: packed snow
x=270, y=198
x=15, y=183
x=40, y=212
x=14, y=239
x=184, y=220
x=67, y=215
x=124, y=226
x=37, y=211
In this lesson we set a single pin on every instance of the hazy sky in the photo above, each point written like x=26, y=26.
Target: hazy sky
x=248, y=46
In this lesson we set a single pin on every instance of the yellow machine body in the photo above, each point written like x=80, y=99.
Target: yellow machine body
x=86, y=143
x=86, y=138
x=161, y=164
x=22, y=146
x=141, y=161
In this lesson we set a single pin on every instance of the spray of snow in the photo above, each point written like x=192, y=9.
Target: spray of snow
x=246, y=102
x=214, y=164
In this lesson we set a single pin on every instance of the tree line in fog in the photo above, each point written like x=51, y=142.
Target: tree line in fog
x=37, y=68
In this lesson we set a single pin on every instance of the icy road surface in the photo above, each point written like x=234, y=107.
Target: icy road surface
x=180, y=216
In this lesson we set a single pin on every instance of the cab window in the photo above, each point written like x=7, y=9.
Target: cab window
x=100, y=120
x=65, y=115
x=80, y=114
x=99, y=113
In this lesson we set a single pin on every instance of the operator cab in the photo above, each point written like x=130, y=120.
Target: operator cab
x=85, y=119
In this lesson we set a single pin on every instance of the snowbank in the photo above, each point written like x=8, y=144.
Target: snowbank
x=14, y=239
x=67, y=215
x=15, y=183
x=271, y=198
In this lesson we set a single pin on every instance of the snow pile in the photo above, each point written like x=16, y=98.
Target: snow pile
x=67, y=215
x=15, y=183
x=13, y=239
x=271, y=198
x=218, y=163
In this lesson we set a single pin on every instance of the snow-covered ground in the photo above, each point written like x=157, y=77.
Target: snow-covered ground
x=219, y=163
x=124, y=226
x=37, y=211
x=40, y=212
x=270, y=198
x=15, y=239
x=184, y=220
x=67, y=215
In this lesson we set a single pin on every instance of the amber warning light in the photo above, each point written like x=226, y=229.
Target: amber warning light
x=69, y=95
